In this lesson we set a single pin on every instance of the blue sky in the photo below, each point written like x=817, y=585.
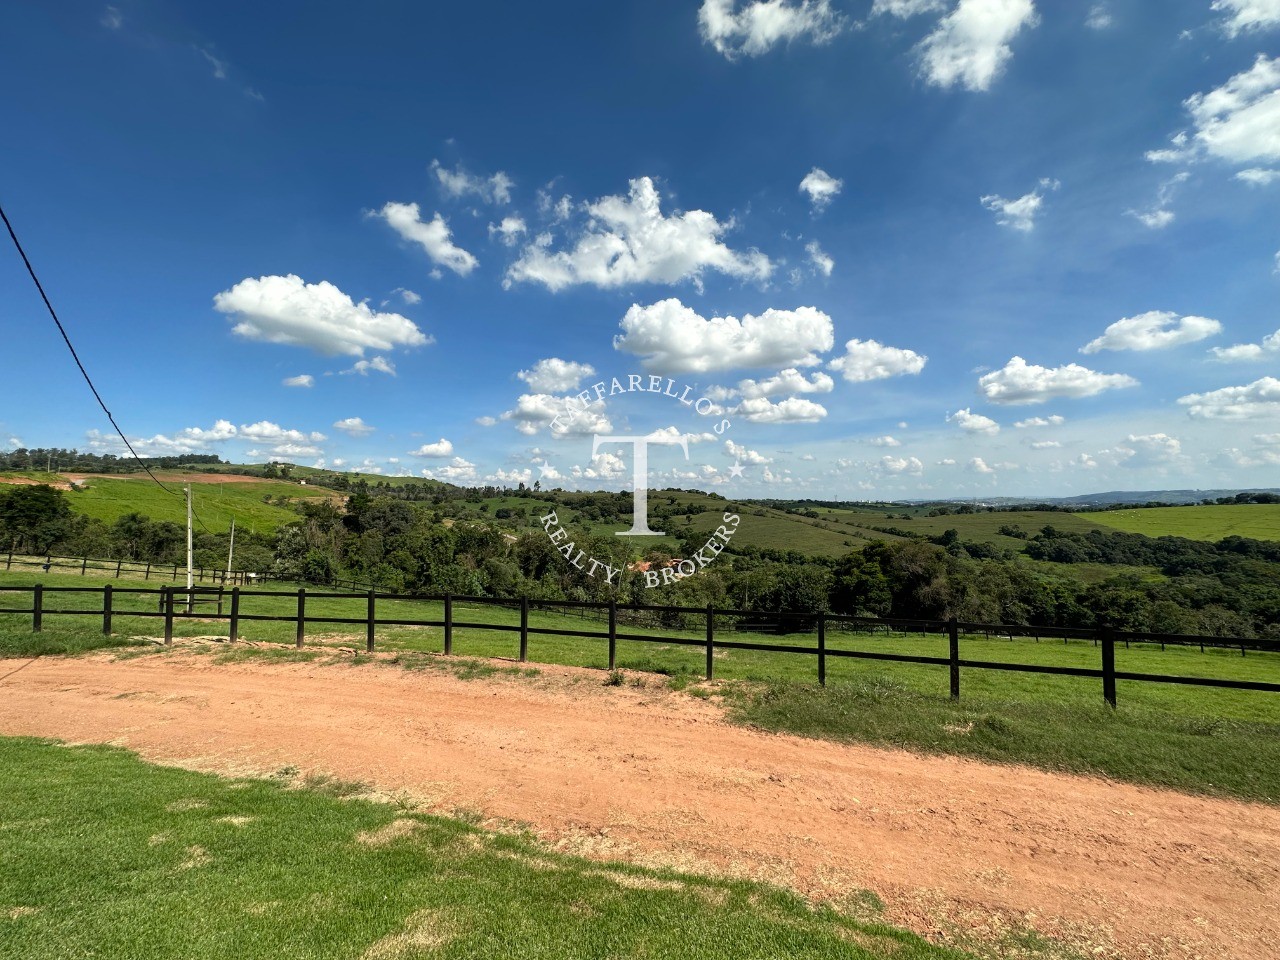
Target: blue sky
x=906, y=248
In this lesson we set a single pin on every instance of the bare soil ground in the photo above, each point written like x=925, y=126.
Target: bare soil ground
x=169, y=476
x=646, y=775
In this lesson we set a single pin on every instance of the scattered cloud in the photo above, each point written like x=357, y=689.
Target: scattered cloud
x=112, y=19
x=866, y=360
x=1045, y=445
x=1099, y=17
x=971, y=422
x=821, y=188
x=187, y=440
x=629, y=240
x=1159, y=216
x=354, y=427
x=1258, y=176
x=302, y=380
x=745, y=456
x=978, y=465
x=1154, y=330
x=1238, y=122
x=906, y=8
x=1019, y=214
x=1051, y=421
x=1268, y=348
x=264, y=431
x=458, y=183
x=673, y=338
x=1149, y=450
x=885, y=442
x=790, y=381
x=458, y=470
x=286, y=310
x=1019, y=382
x=819, y=259
x=487, y=421
x=970, y=46
x=898, y=466
x=439, y=450
x=535, y=411
x=1244, y=16
x=434, y=236
x=554, y=375
x=408, y=296
x=1258, y=399
x=376, y=365
x=762, y=24
x=790, y=410
x=509, y=231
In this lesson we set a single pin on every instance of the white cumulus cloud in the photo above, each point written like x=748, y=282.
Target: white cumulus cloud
x=1258, y=176
x=673, y=338
x=439, y=450
x=1019, y=214
x=971, y=422
x=1238, y=122
x=509, y=231
x=762, y=24
x=1051, y=421
x=459, y=183
x=629, y=240
x=1019, y=382
x=354, y=427
x=790, y=410
x=376, y=365
x=317, y=315
x=302, y=380
x=970, y=46
x=1247, y=15
x=433, y=236
x=1154, y=330
x=866, y=360
x=906, y=8
x=1268, y=348
x=790, y=381
x=1258, y=399
x=554, y=375
x=821, y=188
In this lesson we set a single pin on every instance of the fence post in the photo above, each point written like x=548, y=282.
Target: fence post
x=147, y=575
x=235, y=614
x=822, y=649
x=106, y=610
x=84, y=565
x=37, y=608
x=370, y=626
x=119, y=564
x=953, y=635
x=613, y=633
x=448, y=624
x=1109, y=665
x=9, y=563
x=302, y=616
x=524, y=629
x=167, y=598
x=711, y=641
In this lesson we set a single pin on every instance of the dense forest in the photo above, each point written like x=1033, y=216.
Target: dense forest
x=1229, y=588
x=57, y=458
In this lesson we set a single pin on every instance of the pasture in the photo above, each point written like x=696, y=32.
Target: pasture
x=293, y=867
x=1257, y=521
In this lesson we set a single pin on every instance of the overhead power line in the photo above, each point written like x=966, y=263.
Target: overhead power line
x=76, y=357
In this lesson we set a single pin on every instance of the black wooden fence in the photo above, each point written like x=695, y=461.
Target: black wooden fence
x=127, y=569
x=175, y=604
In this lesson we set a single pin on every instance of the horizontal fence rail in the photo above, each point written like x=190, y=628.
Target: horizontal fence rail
x=173, y=604
x=129, y=569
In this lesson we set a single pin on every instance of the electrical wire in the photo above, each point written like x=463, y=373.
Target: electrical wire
x=85, y=373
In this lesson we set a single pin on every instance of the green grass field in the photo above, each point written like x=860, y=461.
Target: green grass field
x=1188, y=737
x=106, y=856
x=109, y=498
x=1257, y=521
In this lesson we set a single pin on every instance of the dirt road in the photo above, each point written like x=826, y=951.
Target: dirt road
x=660, y=778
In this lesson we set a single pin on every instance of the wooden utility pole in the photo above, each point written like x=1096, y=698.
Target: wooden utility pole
x=190, y=575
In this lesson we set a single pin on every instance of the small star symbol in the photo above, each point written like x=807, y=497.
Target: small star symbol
x=543, y=468
x=736, y=471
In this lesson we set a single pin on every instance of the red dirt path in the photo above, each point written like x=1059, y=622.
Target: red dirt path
x=661, y=778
